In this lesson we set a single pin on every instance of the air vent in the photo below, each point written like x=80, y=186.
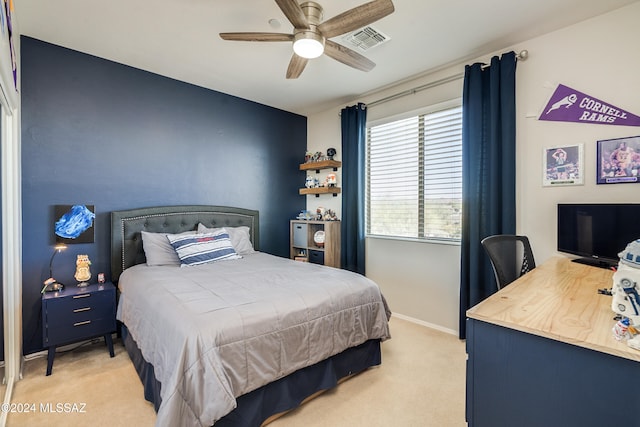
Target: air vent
x=365, y=38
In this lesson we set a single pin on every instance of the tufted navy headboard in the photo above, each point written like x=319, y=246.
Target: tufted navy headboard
x=126, y=240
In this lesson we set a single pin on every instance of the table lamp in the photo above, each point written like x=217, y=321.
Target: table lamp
x=51, y=284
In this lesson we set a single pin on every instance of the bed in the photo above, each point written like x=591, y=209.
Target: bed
x=235, y=341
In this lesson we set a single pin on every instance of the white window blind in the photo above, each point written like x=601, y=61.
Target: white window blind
x=414, y=176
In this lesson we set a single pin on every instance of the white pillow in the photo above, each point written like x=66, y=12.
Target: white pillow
x=203, y=248
x=240, y=238
x=158, y=250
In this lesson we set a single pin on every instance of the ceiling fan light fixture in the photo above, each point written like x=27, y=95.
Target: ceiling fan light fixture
x=312, y=34
x=308, y=44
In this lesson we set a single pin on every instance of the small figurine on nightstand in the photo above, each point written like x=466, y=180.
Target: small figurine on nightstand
x=83, y=274
x=626, y=285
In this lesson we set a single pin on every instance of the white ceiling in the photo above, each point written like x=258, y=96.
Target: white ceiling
x=179, y=39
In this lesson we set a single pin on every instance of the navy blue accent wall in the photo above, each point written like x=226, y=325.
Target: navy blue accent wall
x=101, y=133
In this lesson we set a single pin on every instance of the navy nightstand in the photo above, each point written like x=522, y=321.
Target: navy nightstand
x=76, y=314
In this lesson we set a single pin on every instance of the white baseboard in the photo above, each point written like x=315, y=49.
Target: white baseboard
x=427, y=324
x=67, y=347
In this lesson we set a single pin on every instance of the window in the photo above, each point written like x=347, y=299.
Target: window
x=414, y=177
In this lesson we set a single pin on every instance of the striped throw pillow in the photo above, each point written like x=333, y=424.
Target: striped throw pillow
x=198, y=249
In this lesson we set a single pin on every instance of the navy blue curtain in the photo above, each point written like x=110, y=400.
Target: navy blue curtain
x=354, y=128
x=488, y=172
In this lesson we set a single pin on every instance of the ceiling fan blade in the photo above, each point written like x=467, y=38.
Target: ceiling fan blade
x=293, y=12
x=347, y=56
x=257, y=37
x=296, y=66
x=356, y=18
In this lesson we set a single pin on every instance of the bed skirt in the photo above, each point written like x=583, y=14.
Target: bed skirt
x=279, y=396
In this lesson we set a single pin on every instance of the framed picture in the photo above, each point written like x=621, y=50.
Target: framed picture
x=563, y=165
x=618, y=160
x=74, y=223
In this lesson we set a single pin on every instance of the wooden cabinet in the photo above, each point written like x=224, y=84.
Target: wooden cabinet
x=316, y=241
x=318, y=166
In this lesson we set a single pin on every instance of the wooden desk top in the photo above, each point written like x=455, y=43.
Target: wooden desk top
x=558, y=300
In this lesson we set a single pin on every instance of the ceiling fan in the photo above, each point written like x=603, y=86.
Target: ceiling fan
x=311, y=36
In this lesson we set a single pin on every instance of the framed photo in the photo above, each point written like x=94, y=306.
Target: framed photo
x=74, y=223
x=619, y=160
x=563, y=166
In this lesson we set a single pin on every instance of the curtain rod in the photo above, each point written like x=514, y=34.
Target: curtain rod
x=522, y=56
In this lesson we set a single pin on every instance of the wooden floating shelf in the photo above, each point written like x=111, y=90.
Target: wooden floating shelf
x=321, y=190
x=324, y=164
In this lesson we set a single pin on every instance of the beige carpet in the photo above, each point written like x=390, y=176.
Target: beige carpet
x=108, y=387
x=421, y=383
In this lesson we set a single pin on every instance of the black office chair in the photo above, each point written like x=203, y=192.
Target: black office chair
x=511, y=257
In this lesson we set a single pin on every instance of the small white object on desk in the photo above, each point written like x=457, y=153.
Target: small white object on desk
x=634, y=342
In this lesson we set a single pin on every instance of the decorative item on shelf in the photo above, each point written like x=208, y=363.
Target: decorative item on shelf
x=318, y=238
x=83, y=273
x=330, y=153
x=51, y=284
x=329, y=215
x=311, y=182
x=305, y=215
x=301, y=255
x=313, y=157
x=320, y=213
x=626, y=292
x=331, y=180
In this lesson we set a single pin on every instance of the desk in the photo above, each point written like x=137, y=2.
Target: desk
x=541, y=353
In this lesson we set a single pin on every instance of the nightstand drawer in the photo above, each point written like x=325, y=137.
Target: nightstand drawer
x=72, y=302
x=70, y=330
x=68, y=310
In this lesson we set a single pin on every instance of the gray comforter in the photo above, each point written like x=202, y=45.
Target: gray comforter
x=217, y=331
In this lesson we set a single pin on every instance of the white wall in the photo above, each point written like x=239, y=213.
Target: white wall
x=598, y=57
x=323, y=131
